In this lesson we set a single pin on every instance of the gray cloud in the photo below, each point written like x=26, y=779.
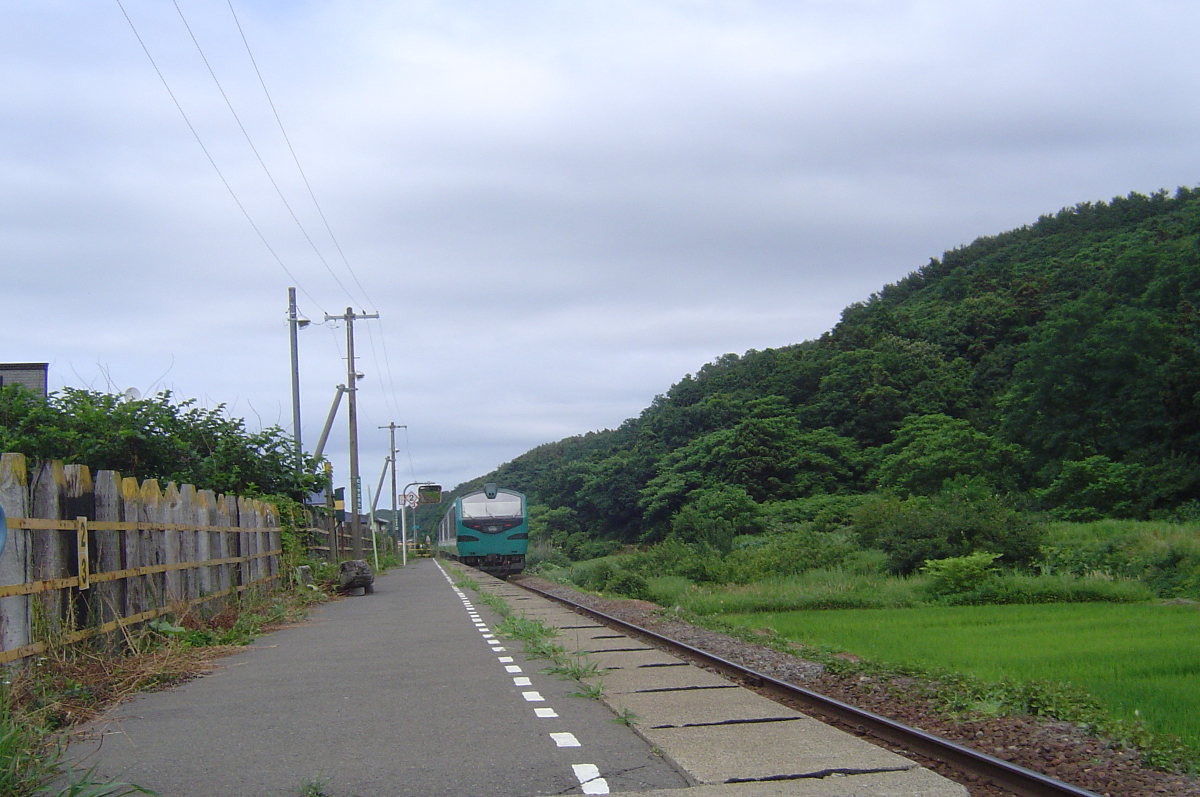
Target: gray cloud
x=558, y=209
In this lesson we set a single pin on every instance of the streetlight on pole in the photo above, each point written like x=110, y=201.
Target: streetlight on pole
x=403, y=518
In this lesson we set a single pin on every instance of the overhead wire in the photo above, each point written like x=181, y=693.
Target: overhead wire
x=303, y=176
x=257, y=155
x=212, y=162
x=408, y=448
x=389, y=394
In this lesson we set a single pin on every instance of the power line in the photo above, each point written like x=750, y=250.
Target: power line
x=408, y=448
x=259, y=157
x=312, y=195
x=209, y=156
x=389, y=394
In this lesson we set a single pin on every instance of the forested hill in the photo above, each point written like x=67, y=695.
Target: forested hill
x=1057, y=364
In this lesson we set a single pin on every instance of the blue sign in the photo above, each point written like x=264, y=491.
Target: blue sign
x=3, y=531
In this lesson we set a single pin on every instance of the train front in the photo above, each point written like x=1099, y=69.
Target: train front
x=493, y=532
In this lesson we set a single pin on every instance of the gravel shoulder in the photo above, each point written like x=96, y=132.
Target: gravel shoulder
x=1057, y=749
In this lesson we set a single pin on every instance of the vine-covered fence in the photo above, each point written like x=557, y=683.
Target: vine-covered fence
x=88, y=556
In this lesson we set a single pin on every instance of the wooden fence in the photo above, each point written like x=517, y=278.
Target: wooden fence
x=87, y=557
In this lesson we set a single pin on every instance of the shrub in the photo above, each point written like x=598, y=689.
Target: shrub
x=961, y=520
x=958, y=574
x=699, y=563
x=592, y=575
x=821, y=512
x=787, y=554
x=1013, y=588
x=630, y=585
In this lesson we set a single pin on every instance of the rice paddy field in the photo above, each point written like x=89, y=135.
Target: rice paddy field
x=1140, y=660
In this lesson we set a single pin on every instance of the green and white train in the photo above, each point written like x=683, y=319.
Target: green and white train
x=487, y=529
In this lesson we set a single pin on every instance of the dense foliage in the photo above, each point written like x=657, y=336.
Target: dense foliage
x=153, y=438
x=1054, y=367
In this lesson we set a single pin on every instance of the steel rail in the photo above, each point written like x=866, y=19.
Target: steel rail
x=1006, y=775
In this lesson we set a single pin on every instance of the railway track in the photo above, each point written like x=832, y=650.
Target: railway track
x=1014, y=778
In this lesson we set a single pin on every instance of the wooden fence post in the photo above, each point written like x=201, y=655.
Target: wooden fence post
x=80, y=501
x=135, y=586
x=260, y=539
x=245, y=540
x=150, y=511
x=14, y=560
x=227, y=517
x=110, y=553
x=189, y=515
x=208, y=543
x=274, y=540
x=47, y=558
x=170, y=512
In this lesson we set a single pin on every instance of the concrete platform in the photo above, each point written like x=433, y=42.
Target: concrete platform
x=729, y=741
x=649, y=679
x=910, y=783
x=680, y=709
x=797, y=748
x=638, y=658
x=395, y=694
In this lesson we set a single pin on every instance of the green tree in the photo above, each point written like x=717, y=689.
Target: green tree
x=931, y=449
x=154, y=438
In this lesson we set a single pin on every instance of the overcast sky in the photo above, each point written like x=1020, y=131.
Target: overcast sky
x=558, y=209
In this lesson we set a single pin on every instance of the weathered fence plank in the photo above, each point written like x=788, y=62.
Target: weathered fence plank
x=14, y=560
x=170, y=512
x=111, y=553
x=80, y=501
x=46, y=555
x=188, y=516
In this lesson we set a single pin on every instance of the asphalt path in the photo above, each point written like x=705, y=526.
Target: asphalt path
x=403, y=692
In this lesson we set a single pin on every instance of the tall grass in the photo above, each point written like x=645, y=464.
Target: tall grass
x=1164, y=556
x=833, y=588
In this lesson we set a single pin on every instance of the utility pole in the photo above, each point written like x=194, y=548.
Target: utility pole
x=295, y=322
x=392, y=427
x=352, y=376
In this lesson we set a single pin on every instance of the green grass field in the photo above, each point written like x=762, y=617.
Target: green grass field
x=1138, y=659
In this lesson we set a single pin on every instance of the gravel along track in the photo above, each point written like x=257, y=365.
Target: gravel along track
x=1057, y=749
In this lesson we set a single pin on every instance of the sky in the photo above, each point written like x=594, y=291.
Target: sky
x=557, y=209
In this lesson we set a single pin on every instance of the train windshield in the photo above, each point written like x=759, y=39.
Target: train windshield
x=479, y=506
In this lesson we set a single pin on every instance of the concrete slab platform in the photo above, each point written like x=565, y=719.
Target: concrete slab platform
x=698, y=707
x=645, y=679
x=598, y=636
x=796, y=748
x=634, y=659
x=918, y=782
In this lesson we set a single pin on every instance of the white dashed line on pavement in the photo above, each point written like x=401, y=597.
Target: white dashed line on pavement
x=588, y=776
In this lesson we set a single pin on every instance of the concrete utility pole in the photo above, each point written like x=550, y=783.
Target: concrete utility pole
x=352, y=377
x=295, y=322
x=392, y=427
